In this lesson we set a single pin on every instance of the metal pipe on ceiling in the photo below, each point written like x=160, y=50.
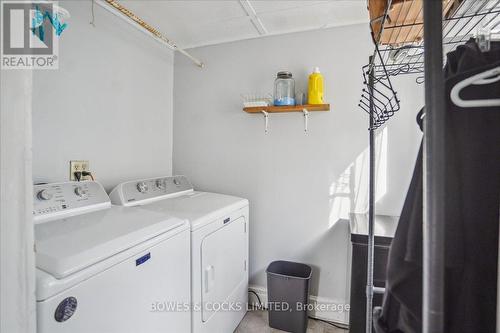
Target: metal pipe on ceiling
x=128, y=16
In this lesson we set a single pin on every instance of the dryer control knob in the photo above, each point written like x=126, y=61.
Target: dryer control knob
x=160, y=184
x=80, y=191
x=142, y=187
x=177, y=181
x=44, y=195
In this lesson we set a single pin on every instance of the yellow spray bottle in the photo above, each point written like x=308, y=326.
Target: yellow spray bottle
x=315, y=87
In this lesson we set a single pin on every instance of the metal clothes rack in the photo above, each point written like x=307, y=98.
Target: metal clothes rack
x=380, y=101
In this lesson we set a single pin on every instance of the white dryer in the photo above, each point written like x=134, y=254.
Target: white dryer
x=219, y=245
x=103, y=268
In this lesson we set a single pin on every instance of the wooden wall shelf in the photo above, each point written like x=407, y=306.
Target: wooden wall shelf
x=296, y=108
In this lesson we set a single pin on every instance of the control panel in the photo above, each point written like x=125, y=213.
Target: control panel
x=66, y=199
x=130, y=193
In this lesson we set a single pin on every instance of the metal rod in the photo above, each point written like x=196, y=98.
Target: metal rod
x=371, y=208
x=371, y=194
x=434, y=171
x=128, y=16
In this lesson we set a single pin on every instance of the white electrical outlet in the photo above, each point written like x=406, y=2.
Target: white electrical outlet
x=78, y=166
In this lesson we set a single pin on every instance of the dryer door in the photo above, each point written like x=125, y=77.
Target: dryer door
x=223, y=263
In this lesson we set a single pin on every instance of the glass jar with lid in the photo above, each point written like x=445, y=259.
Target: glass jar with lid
x=284, y=89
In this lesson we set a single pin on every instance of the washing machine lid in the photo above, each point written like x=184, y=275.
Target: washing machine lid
x=200, y=208
x=69, y=245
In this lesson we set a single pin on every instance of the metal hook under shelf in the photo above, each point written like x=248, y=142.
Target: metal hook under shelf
x=266, y=120
x=305, y=109
x=306, y=119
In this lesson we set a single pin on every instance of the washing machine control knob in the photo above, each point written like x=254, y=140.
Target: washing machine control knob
x=177, y=181
x=80, y=191
x=142, y=187
x=160, y=184
x=44, y=195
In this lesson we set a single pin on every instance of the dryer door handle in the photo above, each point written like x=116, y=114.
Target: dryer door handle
x=209, y=278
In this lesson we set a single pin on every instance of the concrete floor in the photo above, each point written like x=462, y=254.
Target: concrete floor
x=256, y=322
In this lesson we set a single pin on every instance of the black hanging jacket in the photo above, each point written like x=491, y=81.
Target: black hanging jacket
x=472, y=214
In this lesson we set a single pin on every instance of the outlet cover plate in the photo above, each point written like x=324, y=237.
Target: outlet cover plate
x=80, y=165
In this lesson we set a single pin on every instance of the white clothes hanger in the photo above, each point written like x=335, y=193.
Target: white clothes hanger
x=487, y=77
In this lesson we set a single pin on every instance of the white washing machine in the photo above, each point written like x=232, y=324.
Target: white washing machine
x=219, y=245
x=107, y=269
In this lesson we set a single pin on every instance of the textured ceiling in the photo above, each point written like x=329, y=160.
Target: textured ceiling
x=193, y=23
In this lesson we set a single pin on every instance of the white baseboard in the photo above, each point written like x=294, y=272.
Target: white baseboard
x=328, y=309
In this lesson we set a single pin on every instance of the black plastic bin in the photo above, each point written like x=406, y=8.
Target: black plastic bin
x=288, y=294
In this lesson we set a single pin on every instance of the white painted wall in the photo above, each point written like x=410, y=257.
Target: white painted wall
x=404, y=139
x=292, y=180
x=110, y=102
x=17, y=256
